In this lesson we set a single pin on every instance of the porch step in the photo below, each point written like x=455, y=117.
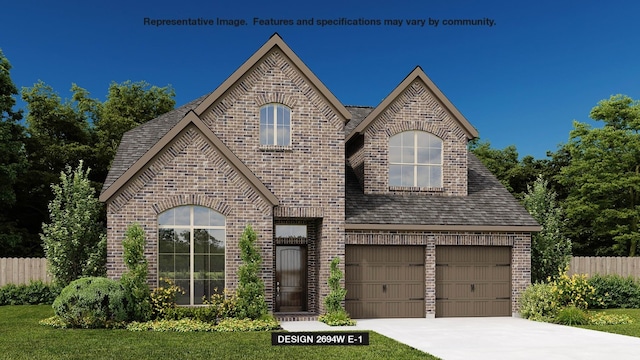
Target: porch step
x=305, y=316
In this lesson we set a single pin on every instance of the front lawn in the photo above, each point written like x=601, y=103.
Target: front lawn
x=21, y=337
x=626, y=329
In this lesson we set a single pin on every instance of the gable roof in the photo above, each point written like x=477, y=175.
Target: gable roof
x=488, y=206
x=189, y=119
x=416, y=74
x=275, y=41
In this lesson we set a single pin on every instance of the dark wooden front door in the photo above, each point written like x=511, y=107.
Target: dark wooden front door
x=291, y=278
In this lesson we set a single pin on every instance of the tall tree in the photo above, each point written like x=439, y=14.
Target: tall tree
x=603, y=178
x=128, y=105
x=74, y=239
x=516, y=175
x=550, y=249
x=13, y=161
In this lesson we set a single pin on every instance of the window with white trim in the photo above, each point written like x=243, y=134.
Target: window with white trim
x=275, y=125
x=415, y=160
x=191, y=243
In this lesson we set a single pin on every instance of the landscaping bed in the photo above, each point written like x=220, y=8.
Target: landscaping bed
x=21, y=337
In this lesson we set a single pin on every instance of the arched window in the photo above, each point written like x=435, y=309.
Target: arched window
x=275, y=125
x=415, y=159
x=191, y=242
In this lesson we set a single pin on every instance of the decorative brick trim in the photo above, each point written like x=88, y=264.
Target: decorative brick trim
x=275, y=97
x=298, y=212
x=192, y=199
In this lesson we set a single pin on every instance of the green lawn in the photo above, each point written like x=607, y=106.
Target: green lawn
x=629, y=329
x=21, y=337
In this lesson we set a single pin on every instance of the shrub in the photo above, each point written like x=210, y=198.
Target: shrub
x=538, y=303
x=337, y=318
x=574, y=290
x=34, y=293
x=135, y=280
x=92, y=302
x=225, y=304
x=600, y=318
x=615, y=291
x=265, y=323
x=163, y=298
x=251, y=302
x=165, y=325
x=572, y=315
x=335, y=313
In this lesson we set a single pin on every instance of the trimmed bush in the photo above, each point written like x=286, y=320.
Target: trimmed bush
x=251, y=301
x=615, y=291
x=335, y=313
x=92, y=302
x=135, y=280
x=539, y=303
x=34, y=293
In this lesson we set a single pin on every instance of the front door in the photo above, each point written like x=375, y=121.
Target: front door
x=291, y=278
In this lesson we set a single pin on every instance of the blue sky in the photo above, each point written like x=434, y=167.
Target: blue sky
x=522, y=81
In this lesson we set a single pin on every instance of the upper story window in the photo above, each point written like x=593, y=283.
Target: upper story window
x=275, y=125
x=415, y=159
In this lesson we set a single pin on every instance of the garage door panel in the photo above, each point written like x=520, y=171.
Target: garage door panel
x=473, y=281
x=385, y=281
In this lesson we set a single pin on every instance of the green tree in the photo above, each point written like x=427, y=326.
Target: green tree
x=550, y=249
x=516, y=175
x=603, y=178
x=13, y=162
x=128, y=105
x=74, y=240
x=251, y=301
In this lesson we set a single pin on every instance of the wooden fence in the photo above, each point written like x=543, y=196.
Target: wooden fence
x=591, y=265
x=23, y=270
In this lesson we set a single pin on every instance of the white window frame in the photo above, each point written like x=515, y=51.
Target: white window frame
x=192, y=227
x=274, y=107
x=415, y=163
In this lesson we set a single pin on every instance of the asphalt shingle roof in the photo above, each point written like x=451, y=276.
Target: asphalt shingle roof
x=488, y=204
x=136, y=142
x=358, y=113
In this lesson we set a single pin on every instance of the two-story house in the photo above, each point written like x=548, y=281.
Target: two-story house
x=422, y=228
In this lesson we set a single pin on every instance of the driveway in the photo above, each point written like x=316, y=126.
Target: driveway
x=493, y=338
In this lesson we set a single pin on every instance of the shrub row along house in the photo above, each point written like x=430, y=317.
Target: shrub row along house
x=422, y=227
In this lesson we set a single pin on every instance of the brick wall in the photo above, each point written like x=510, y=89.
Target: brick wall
x=307, y=177
x=189, y=172
x=415, y=109
x=520, y=244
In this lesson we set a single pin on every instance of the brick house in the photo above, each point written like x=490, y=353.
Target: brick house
x=423, y=229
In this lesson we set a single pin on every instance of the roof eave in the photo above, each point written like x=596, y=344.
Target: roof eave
x=421, y=227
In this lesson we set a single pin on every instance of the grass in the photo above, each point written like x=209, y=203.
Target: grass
x=21, y=337
x=627, y=329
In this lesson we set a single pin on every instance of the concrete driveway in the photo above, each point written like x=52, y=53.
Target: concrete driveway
x=493, y=338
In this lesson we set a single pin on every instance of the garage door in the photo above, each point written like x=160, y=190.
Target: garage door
x=384, y=281
x=473, y=281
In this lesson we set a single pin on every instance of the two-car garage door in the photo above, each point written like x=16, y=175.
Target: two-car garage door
x=389, y=281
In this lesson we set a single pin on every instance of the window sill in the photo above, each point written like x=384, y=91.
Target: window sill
x=275, y=148
x=416, y=189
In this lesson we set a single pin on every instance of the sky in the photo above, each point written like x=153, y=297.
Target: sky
x=521, y=75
